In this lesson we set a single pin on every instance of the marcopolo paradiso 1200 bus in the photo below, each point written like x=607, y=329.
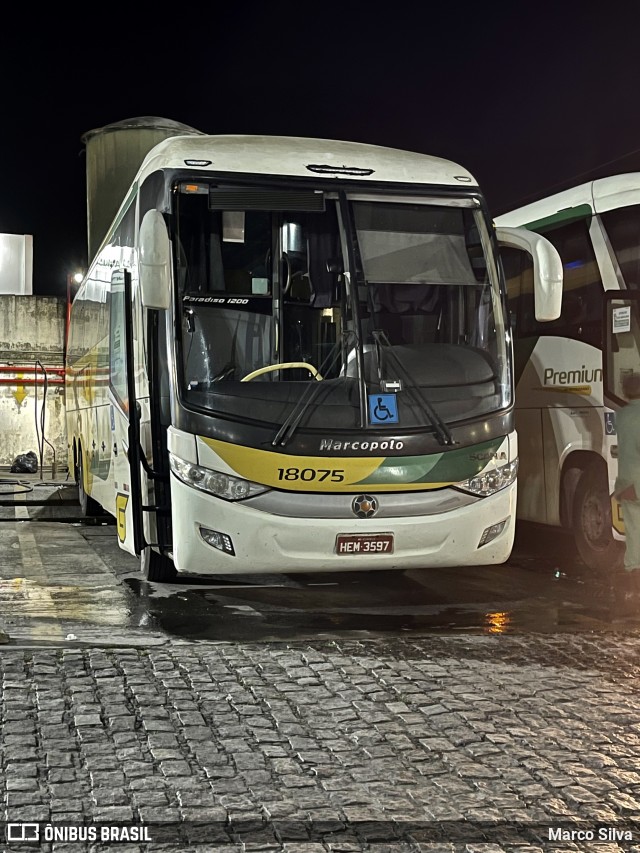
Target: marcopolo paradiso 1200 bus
x=293, y=355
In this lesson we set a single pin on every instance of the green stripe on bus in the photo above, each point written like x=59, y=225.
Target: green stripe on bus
x=562, y=217
x=450, y=467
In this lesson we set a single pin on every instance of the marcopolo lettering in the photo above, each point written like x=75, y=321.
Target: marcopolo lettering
x=369, y=446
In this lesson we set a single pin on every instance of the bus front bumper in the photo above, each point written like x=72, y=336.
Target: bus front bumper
x=251, y=541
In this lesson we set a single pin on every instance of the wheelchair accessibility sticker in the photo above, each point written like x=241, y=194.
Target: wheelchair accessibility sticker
x=383, y=409
x=610, y=423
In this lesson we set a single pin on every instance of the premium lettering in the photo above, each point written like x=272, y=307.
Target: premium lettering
x=572, y=377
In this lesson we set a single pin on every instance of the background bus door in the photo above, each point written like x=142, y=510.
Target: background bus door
x=620, y=357
x=124, y=416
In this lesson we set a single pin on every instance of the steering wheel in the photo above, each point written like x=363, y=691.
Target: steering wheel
x=282, y=365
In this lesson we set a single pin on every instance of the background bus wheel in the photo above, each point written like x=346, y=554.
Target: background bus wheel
x=592, y=522
x=88, y=505
x=157, y=567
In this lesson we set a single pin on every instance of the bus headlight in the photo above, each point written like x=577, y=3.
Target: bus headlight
x=214, y=482
x=491, y=481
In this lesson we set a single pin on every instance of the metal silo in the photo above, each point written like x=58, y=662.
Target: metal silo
x=114, y=153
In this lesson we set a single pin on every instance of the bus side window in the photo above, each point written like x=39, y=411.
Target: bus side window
x=582, y=287
x=623, y=228
x=117, y=343
x=581, y=317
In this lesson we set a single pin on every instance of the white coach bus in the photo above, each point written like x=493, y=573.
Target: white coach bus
x=565, y=413
x=293, y=355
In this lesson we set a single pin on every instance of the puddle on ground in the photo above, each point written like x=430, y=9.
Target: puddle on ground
x=376, y=604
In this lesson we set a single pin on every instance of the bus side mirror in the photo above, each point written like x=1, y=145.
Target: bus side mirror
x=547, y=269
x=155, y=261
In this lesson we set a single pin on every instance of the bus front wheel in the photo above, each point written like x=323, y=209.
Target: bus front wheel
x=157, y=567
x=592, y=522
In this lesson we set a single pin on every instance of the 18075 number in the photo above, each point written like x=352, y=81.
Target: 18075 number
x=335, y=475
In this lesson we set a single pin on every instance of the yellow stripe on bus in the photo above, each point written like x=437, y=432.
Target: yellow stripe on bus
x=318, y=473
x=583, y=390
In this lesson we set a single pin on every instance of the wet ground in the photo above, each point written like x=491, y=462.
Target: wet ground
x=60, y=573
x=474, y=708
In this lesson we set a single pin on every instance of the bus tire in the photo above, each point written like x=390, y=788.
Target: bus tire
x=88, y=505
x=592, y=522
x=157, y=567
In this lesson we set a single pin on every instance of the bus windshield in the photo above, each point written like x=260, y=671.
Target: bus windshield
x=299, y=308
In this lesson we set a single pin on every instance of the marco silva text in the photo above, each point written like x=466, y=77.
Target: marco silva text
x=600, y=833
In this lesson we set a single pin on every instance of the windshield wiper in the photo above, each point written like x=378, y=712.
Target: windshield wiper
x=442, y=431
x=292, y=422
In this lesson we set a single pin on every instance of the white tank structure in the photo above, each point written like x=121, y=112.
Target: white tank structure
x=16, y=264
x=114, y=153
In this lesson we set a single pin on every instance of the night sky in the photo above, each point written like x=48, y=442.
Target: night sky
x=531, y=99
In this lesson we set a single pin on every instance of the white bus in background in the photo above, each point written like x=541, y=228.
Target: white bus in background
x=292, y=355
x=565, y=418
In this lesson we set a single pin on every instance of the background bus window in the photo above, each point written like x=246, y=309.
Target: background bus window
x=622, y=227
x=581, y=316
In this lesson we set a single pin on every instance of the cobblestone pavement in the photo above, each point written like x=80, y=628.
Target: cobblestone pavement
x=461, y=742
x=475, y=743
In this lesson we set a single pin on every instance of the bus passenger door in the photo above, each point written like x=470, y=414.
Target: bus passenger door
x=121, y=403
x=620, y=357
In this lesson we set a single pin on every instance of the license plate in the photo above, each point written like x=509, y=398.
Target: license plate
x=359, y=543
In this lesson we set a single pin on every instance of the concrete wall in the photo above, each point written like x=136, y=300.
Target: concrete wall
x=32, y=328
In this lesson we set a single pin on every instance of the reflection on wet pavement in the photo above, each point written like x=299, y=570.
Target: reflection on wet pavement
x=533, y=592
x=46, y=600
x=58, y=580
